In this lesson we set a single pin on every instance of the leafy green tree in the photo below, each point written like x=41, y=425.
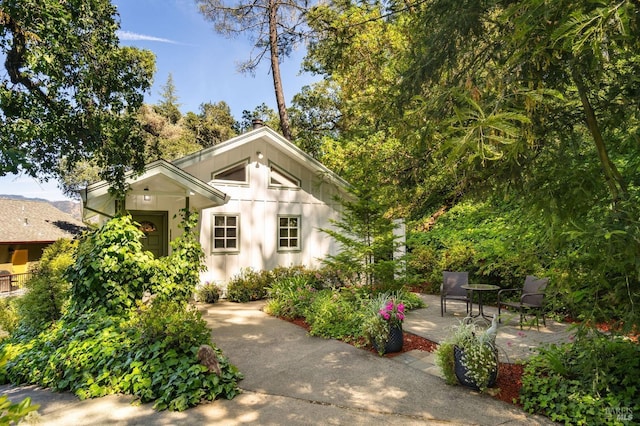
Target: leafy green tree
x=169, y=106
x=530, y=101
x=70, y=91
x=213, y=125
x=164, y=139
x=365, y=231
x=77, y=178
x=274, y=27
x=356, y=45
x=315, y=115
x=263, y=113
x=538, y=101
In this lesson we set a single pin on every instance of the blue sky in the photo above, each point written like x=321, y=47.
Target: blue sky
x=202, y=63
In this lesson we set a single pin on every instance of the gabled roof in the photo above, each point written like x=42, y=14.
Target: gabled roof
x=188, y=183
x=160, y=178
x=24, y=221
x=276, y=140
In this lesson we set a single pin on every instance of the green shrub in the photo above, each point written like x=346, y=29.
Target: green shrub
x=290, y=297
x=184, y=264
x=283, y=272
x=586, y=382
x=13, y=413
x=445, y=360
x=339, y=313
x=173, y=324
x=249, y=285
x=109, y=342
x=487, y=239
x=111, y=270
x=8, y=316
x=329, y=276
x=48, y=290
x=336, y=314
x=208, y=293
x=143, y=354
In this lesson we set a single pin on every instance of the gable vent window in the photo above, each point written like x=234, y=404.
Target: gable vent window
x=234, y=174
x=288, y=233
x=226, y=233
x=280, y=179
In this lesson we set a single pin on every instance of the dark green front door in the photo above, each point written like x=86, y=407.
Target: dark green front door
x=154, y=226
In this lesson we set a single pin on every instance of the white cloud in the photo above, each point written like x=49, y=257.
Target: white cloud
x=129, y=36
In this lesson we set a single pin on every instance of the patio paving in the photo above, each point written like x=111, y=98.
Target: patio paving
x=514, y=345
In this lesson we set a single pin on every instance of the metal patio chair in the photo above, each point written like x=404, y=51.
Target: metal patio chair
x=531, y=298
x=451, y=289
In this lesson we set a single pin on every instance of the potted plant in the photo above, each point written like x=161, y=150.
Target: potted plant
x=383, y=324
x=469, y=355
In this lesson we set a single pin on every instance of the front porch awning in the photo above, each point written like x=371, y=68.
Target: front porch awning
x=160, y=185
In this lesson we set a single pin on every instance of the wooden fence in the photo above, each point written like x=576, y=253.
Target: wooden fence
x=13, y=282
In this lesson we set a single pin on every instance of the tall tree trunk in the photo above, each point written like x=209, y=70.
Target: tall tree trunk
x=275, y=69
x=611, y=174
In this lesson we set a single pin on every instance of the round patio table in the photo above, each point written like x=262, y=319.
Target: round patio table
x=480, y=288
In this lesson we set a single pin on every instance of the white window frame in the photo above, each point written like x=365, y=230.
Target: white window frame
x=296, y=182
x=288, y=228
x=225, y=228
x=244, y=163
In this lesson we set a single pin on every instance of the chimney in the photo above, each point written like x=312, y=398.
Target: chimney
x=257, y=123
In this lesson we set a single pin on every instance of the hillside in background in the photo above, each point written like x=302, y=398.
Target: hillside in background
x=74, y=208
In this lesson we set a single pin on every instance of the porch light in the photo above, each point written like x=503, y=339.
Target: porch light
x=146, y=197
x=260, y=156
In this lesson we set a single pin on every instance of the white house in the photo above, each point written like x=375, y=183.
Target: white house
x=262, y=202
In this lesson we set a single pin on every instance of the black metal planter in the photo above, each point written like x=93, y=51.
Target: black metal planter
x=461, y=371
x=394, y=342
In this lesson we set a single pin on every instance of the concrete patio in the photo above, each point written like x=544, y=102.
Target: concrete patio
x=514, y=344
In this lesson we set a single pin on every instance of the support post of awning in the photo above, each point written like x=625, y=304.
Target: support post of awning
x=187, y=211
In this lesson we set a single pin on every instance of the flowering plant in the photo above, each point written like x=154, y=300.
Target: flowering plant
x=392, y=312
x=477, y=353
x=383, y=313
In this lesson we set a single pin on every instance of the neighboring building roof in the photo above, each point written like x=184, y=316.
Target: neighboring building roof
x=274, y=139
x=35, y=222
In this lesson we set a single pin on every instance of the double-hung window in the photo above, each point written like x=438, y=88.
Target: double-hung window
x=226, y=233
x=288, y=233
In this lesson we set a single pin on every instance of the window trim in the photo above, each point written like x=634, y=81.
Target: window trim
x=274, y=167
x=299, y=237
x=245, y=182
x=225, y=250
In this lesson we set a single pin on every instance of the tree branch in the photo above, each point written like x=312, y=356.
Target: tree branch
x=613, y=177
